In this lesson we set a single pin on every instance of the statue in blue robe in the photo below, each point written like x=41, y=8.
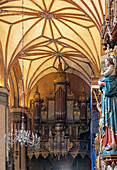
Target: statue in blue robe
x=108, y=87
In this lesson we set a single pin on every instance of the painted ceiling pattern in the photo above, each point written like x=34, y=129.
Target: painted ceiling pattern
x=42, y=33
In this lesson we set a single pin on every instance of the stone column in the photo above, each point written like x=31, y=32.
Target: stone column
x=19, y=151
x=3, y=126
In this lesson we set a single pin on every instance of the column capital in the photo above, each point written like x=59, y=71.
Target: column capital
x=16, y=114
x=4, y=90
x=4, y=93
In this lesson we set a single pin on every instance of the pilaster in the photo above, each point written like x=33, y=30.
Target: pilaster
x=3, y=126
x=19, y=151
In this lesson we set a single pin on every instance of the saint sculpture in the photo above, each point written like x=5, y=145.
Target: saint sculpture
x=108, y=87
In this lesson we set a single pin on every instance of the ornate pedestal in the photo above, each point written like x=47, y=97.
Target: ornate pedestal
x=109, y=158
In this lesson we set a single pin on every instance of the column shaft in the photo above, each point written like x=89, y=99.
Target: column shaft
x=3, y=127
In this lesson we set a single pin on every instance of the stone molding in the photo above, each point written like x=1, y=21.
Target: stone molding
x=4, y=93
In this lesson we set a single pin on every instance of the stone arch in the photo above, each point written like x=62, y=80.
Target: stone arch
x=15, y=80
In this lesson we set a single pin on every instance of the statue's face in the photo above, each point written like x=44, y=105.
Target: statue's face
x=107, y=63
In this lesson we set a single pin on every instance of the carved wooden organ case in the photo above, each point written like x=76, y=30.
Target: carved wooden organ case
x=62, y=122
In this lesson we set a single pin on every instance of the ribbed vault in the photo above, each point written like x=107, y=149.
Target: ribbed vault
x=66, y=31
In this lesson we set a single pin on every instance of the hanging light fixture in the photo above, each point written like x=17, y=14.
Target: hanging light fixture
x=24, y=137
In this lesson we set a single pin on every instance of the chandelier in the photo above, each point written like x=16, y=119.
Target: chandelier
x=24, y=137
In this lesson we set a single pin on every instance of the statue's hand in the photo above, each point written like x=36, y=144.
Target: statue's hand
x=99, y=82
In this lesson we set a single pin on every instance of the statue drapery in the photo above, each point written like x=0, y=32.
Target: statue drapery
x=108, y=87
x=109, y=112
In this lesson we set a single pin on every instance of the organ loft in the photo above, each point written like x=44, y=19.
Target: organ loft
x=58, y=84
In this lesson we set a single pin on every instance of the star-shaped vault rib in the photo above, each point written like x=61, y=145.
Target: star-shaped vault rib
x=50, y=21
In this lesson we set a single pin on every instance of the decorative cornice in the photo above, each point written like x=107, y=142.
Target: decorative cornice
x=4, y=90
x=18, y=109
x=16, y=114
x=4, y=96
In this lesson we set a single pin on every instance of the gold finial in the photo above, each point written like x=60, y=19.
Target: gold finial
x=36, y=89
x=61, y=76
x=83, y=96
x=60, y=67
x=37, y=94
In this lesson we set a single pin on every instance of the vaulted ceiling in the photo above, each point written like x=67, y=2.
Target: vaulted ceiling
x=41, y=33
